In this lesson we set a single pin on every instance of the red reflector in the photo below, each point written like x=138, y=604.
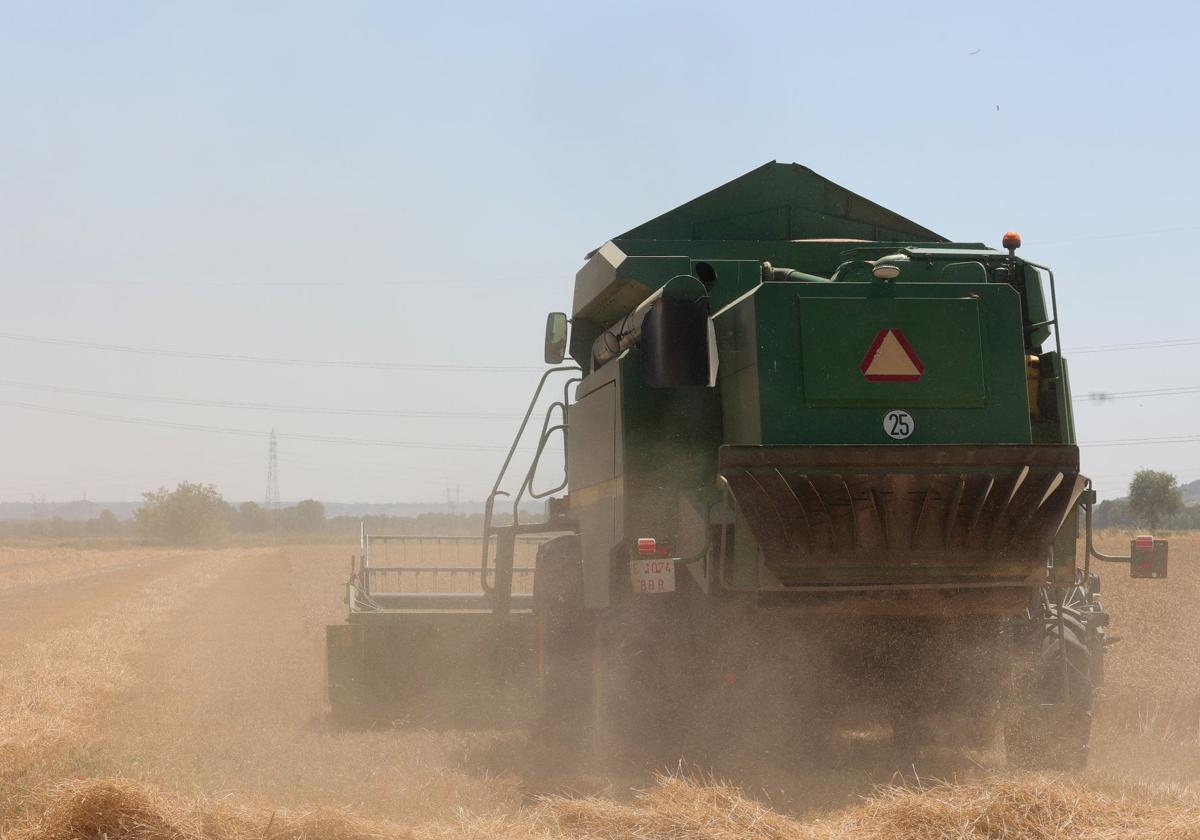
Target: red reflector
x=646, y=545
x=730, y=679
x=1144, y=543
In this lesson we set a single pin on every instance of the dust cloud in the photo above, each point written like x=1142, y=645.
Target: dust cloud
x=174, y=694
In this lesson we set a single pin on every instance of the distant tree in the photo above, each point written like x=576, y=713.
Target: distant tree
x=1154, y=496
x=1112, y=513
x=305, y=517
x=310, y=515
x=104, y=525
x=191, y=514
x=251, y=518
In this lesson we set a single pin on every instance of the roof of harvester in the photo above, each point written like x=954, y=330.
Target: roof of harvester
x=781, y=201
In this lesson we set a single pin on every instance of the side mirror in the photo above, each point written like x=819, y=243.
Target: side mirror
x=556, y=338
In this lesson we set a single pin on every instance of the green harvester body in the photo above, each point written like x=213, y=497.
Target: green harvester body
x=817, y=457
x=794, y=430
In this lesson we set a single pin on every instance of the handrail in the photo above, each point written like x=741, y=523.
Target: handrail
x=527, y=484
x=390, y=537
x=1053, y=307
x=416, y=570
x=543, y=439
x=490, y=502
x=534, y=494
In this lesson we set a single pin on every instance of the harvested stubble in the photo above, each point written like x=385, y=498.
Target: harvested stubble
x=1028, y=807
x=49, y=691
x=429, y=795
x=34, y=566
x=115, y=808
x=1148, y=723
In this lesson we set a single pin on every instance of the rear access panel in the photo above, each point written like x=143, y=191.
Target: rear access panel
x=859, y=352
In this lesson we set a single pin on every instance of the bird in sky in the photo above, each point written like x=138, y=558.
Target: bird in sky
x=975, y=52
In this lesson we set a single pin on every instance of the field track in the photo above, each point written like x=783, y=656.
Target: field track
x=173, y=694
x=36, y=610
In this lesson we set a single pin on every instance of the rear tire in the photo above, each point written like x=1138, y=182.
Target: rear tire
x=564, y=647
x=1047, y=731
x=642, y=683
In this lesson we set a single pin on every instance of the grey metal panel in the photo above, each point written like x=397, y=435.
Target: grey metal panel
x=741, y=410
x=597, y=524
x=593, y=470
x=591, y=443
x=737, y=342
x=600, y=295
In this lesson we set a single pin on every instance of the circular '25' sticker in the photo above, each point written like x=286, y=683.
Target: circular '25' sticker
x=898, y=424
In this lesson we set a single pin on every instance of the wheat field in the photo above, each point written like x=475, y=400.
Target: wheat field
x=156, y=694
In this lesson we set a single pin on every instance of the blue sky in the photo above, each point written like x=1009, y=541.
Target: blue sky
x=415, y=184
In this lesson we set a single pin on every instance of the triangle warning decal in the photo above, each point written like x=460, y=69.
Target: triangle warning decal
x=891, y=359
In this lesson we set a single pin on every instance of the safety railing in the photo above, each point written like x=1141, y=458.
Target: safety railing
x=498, y=548
x=392, y=580
x=379, y=550
x=411, y=572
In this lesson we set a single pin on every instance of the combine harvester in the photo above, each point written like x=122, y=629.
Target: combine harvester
x=821, y=468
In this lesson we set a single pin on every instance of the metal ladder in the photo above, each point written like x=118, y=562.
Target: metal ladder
x=499, y=567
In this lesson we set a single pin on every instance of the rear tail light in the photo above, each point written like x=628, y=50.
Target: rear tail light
x=1148, y=557
x=647, y=545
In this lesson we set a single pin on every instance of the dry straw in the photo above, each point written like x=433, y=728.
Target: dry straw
x=50, y=691
x=675, y=808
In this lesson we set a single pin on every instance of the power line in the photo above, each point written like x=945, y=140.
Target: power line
x=194, y=427
x=1127, y=473
x=387, y=413
x=109, y=479
x=265, y=360
x=1116, y=235
x=1146, y=441
x=167, y=424
x=1105, y=396
x=1097, y=397
x=1144, y=345
x=451, y=368
x=295, y=409
x=268, y=284
x=480, y=476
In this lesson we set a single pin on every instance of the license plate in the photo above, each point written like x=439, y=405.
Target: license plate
x=652, y=574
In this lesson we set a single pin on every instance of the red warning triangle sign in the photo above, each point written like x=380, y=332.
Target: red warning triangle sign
x=891, y=359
